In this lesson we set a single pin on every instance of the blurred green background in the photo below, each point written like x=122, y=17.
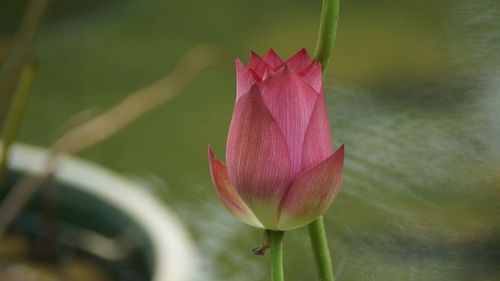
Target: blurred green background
x=413, y=92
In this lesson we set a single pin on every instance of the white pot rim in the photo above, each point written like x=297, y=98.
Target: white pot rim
x=174, y=254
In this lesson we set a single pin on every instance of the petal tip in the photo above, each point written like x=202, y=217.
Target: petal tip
x=272, y=51
x=304, y=52
x=341, y=148
x=210, y=151
x=341, y=151
x=254, y=55
x=285, y=70
x=273, y=59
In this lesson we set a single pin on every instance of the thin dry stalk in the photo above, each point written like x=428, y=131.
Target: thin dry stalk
x=107, y=124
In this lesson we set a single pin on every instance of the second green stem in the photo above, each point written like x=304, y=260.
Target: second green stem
x=322, y=53
x=327, y=32
x=320, y=249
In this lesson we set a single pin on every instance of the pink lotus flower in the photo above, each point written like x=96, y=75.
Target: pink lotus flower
x=281, y=170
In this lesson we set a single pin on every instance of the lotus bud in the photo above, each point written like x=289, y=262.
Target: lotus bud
x=281, y=171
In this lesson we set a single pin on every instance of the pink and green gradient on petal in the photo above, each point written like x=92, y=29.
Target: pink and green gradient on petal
x=281, y=170
x=227, y=194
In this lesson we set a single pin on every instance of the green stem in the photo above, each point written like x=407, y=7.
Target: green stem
x=322, y=53
x=277, y=255
x=13, y=121
x=327, y=32
x=320, y=249
x=19, y=53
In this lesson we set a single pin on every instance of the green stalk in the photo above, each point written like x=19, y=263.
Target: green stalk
x=19, y=53
x=320, y=249
x=276, y=238
x=327, y=32
x=15, y=115
x=322, y=53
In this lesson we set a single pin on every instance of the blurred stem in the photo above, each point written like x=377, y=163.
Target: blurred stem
x=327, y=32
x=19, y=53
x=276, y=238
x=320, y=249
x=13, y=121
x=106, y=125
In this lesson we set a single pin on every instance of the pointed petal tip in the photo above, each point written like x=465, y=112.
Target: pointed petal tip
x=285, y=70
x=299, y=61
x=272, y=51
x=239, y=65
x=337, y=158
x=304, y=51
x=313, y=75
x=314, y=65
x=254, y=60
x=254, y=54
x=210, y=151
x=273, y=59
x=340, y=151
x=245, y=78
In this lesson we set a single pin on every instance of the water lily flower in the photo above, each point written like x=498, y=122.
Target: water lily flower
x=281, y=170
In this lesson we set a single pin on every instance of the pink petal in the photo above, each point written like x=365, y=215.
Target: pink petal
x=312, y=192
x=313, y=75
x=258, y=160
x=317, y=141
x=244, y=79
x=290, y=101
x=265, y=75
x=257, y=66
x=254, y=61
x=227, y=194
x=299, y=61
x=273, y=60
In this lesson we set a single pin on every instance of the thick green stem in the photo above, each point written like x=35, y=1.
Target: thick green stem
x=19, y=53
x=327, y=32
x=320, y=248
x=277, y=255
x=13, y=121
